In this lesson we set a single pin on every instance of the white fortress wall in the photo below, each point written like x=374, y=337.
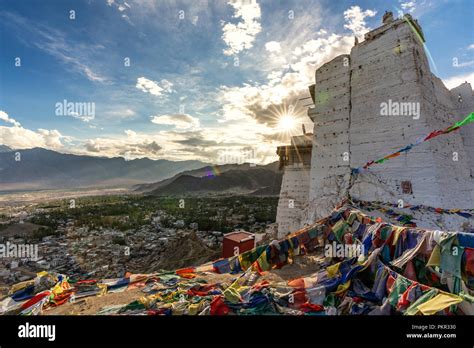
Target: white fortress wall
x=389, y=67
x=293, y=199
x=330, y=173
x=452, y=157
x=385, y=70
x=465, y=106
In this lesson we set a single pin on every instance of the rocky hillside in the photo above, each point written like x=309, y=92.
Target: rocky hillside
x=228, y=179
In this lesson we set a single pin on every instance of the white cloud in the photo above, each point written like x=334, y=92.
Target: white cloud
x=288, y=82
x=122, y=8
x=408, y=6
x=4, y=117
x=83, y=118
x=18, y=137
x=132, y=145
x=51, y=138
x=205, y=144
x=470, y=47
x=22, y=138
x=273, y=46
x=180, y=121
x=91, y=75
x=252, y=110
x=153, y=87
x=455, y=81
x=355, y=19
x=284, y=87
x=77, y=56
x=167, y=86
x=240, y=36
x=125, y=113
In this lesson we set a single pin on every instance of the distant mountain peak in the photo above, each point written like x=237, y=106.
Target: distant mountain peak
x=230, y=179
x=4, y=148
x=45, y=169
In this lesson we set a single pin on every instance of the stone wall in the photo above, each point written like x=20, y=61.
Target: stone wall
x=389, y=66
x=465, y=106
x=331, y=116
x=386, y=69
x=453, y=175
x=293, y=200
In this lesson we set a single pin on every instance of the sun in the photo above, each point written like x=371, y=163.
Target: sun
x=286, y=123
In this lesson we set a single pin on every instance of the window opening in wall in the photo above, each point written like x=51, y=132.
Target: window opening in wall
x=407, y=187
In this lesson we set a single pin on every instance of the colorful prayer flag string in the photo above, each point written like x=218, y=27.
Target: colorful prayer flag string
x=454, y=127
x=466, y=213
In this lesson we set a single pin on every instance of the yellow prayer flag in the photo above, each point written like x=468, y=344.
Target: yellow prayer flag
x=435, y=258
x=342, y=287
x=438, y=303
x=332, y=270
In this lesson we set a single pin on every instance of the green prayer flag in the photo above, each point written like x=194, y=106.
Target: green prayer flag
x=469, y=118
x=413, y=309
x=339, y=229
x=399, y=287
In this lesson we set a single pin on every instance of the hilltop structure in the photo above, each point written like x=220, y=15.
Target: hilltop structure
x=295, y=160
x=381, y=97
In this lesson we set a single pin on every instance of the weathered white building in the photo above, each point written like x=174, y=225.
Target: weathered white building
x=368, y=104
x=295, y=161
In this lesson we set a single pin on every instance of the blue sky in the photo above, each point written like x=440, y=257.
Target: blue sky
x=207, y=80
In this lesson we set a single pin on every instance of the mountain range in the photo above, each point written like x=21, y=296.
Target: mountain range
x=42, y=169
x=218, y=180
x=39, y=169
